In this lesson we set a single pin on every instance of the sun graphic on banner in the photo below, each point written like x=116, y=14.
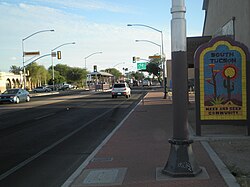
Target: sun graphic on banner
x=230, y=71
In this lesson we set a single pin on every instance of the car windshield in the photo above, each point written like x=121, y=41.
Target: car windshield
x=12, y=91
x=119, y=85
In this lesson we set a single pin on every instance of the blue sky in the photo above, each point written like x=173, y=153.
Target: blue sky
x=95, y=25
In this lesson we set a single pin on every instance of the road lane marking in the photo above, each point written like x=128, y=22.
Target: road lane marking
x=45, y=116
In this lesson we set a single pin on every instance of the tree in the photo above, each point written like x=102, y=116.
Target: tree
x=15, y=69
x=76, y=75
x=38, y=74
x=137, y=75
x=57, y=77
x=62, y=69
x=153, y=67
x=64, y=73
x=117, y=74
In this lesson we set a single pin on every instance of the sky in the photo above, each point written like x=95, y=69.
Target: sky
x=96, y=26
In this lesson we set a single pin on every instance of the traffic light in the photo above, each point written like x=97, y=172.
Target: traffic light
x=134, y=59
x=59, y=56
x=95, y=68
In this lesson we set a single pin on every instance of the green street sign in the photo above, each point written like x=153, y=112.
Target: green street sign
x=141, y=65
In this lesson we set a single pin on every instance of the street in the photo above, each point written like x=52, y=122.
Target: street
x=43, y=141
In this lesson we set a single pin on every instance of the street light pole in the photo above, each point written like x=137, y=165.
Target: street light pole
x=151, y=43
x=90, y=56
x=85, y=59
x=181, y=161
x=24, y=76
x=53, y=71
x=163, y=55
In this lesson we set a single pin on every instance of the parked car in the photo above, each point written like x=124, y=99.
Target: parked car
x=135, y=83
x=145, y=83
x=121, y=89
x=67, y=86
x=41, y=89
x=15, y=95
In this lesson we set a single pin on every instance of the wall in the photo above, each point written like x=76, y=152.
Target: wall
x=220, y=12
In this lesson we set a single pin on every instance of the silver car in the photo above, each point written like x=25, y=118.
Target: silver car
x=15, y=95
x=41, y=89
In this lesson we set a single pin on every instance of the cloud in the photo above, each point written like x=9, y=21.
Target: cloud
x=116, y=41
x=13, y=58
x=87, y=5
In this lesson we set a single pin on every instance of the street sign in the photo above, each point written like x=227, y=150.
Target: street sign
x=141, y=65
x=155, y=57
x=33, y=53
x=53, y=54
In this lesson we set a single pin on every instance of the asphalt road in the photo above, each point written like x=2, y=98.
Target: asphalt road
x=43, y=141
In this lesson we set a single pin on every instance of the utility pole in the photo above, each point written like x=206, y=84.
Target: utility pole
x=181, y=161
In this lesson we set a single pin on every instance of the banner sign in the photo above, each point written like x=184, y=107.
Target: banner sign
x=221, y=68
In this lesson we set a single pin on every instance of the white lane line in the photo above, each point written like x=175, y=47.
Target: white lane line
x=37, y=118
x=25, y=162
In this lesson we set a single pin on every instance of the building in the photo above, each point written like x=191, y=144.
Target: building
x=99, y=80
x=9, y=80
x=222, y=18
x=227, y=17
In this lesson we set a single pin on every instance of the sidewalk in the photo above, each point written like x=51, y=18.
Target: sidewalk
x=137, y=150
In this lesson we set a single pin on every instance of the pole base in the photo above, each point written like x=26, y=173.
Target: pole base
x=181, y=161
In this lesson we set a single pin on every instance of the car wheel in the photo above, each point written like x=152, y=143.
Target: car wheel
x=113, y=96
x=127, y=96
x=17, y=100
x=27, y=98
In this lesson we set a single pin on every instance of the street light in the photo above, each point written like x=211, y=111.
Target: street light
x=151, y=43
x=118, y=64
x=163, y=59
x=90, y=56
x=53, y=72
x=181, y=161
x=24, y=76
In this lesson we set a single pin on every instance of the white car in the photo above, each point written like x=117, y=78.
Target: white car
x=121, y=89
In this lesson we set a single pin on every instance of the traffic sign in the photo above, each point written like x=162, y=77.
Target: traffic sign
x=53, y=54
x=141, y=65
x=155, y=57
x=33, y=53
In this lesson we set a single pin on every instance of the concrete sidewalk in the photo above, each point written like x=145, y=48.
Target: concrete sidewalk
x=134, y=154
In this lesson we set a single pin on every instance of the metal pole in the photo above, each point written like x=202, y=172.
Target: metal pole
x=164, y=68
x=90, y=56
x=53, y=70
x=163, y=59
x=181, y=161
x=24, y=75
